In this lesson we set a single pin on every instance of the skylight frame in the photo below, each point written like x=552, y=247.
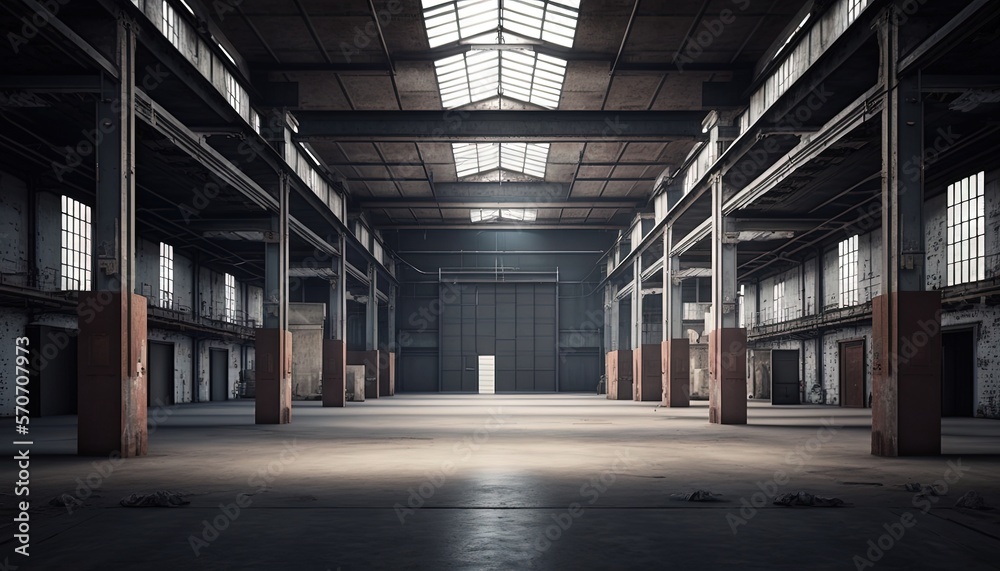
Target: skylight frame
x=477, y=158
x=456, y=21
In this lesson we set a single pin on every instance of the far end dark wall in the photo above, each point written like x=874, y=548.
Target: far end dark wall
x=575, y=253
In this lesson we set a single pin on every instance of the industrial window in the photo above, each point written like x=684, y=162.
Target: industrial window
x=497, y=214
x=848, y=262
x=463, y=20
x=75, y=268
x=779, y=301
x=481, y=74
x=230, y=298
x=527, y=158
x=854, y=9
x=743, y=306
x=966, y=237
x=166, y=276
x=171, y=25
x=232, y=91
x=501, y=62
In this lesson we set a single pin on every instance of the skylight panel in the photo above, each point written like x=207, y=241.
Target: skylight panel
x=475, y=158
x=495, y=215
x=460, y=20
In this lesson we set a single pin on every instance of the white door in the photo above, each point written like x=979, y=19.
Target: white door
x=487, y=374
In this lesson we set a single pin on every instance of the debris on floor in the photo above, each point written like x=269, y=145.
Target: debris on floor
x=924, y=491
x=972, y=501
x=807, y=499
x=157, y=499
x=65, y=500
x=697, y=496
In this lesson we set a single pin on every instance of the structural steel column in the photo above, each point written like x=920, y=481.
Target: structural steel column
x=112, y=318
x=676, y=350
x=727, y=343
x=334, y=346
x=371, y=310
x=906, y=323
x=273, y=342
x=636, y=322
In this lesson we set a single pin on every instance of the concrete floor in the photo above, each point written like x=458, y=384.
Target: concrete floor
x=505, y=482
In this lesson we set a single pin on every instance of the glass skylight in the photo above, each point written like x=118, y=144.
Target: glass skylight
x=464, y=20
x=474, y=158
x=511, y=214
x=478, y=75
x=501, y=63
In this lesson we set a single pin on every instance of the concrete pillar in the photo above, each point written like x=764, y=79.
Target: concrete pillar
x=636, y=323
x=727, y=343
x=676, y=351
x=112, y=318
x=273, y=342
x=371, y=310
x=392, y=349
x=334, y=345
x=906, y=327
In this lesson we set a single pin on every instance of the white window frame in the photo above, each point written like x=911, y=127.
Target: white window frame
x=76, y=259
x=778, y=300
x=230, y=298
x=847, y=263
x=966, y=230
x=171, y=24
x=166, y=276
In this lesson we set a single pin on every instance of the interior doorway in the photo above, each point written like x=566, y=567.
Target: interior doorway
x=218, y=374
x=958, y=372
x=160, y=387
x=852, y=374
x=785, y=377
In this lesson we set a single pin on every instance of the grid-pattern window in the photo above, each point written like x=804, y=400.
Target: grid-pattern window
x=75, y=268
x=779, y=300
x=166, y=276
x=171, y=25
x=743, y=306
x=966, y=230
x=848, y=261
x=854, y=9
x=232, y=91
x=230, y=298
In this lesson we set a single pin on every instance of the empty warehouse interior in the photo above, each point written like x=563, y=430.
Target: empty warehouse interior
x=500, y=284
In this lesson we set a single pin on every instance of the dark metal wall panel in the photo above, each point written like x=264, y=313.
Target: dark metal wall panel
x=218, y=374
x=418, y=372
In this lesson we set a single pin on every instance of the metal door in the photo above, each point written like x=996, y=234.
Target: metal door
x=160, y=375
x=785, y=377
x=852, y=374
x=218, y=376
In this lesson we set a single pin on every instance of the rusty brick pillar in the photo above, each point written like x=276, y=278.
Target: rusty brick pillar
x=273, y=342
x=111, y=359
x=727, y=343
x=334, y=346
x=675, y=352
x=906, y=347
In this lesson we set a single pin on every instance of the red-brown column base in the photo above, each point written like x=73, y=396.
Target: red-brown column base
x=619, y=374
x=334, y=372
x=906, y=374
x=386, y=372
x=676, y=373
x=370, y=359
x=647, y=375
x=111, y=399
x=274, y=376
x=727, y=376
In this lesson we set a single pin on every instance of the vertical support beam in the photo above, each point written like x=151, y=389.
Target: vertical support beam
x=371, y=310
x=273, y=342
x=391, y=349
x=335, y=346
x=727, y=343
x=906, y=348
x=112, y=318
x=676, y=351
x=636, y=323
